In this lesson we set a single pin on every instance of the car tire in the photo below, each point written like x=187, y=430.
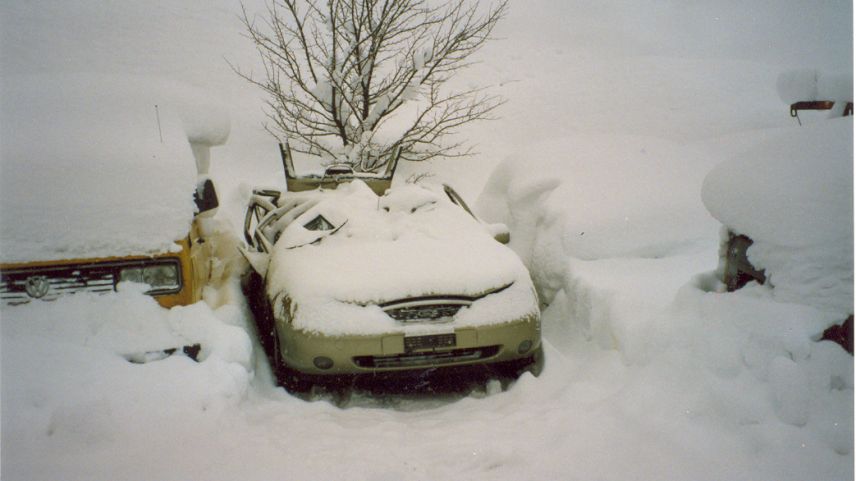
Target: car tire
x=293, y=381
x=537, y=364
x=290, y=379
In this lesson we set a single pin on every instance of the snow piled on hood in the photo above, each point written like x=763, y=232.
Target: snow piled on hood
x=411, y=242
x=98, y=165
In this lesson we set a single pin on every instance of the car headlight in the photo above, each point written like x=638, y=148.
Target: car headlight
x=161, y=277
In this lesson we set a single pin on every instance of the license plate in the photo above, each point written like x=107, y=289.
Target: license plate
x=434, y=341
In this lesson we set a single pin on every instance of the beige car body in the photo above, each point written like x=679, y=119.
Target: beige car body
x=297, y=355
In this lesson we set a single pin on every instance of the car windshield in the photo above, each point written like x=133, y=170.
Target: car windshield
x=304, y=172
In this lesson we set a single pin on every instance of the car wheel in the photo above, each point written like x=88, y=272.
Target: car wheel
x=292, y=380
x=537, y=364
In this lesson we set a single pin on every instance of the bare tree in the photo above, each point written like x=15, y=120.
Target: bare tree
x=351, y=80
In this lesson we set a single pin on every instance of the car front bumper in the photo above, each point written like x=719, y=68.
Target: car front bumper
x=316, y=354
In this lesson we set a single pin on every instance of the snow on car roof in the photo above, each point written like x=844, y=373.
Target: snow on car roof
x=411, y=242
x=94, y=166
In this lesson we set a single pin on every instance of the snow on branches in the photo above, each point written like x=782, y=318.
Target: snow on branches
x=337, y=72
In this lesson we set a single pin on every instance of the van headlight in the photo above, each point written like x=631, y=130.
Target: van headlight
x=161, y=277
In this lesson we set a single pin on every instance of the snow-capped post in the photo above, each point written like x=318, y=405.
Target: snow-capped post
x=206, y=126
x=339, y=72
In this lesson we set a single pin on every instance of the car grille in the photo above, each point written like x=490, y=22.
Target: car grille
x=432, y=312
x=423, y=359
x=22, y=286
x=432, y=309
x=19, y=286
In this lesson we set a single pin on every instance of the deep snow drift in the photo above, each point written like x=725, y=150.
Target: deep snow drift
x=793, y=196
x=615, y=115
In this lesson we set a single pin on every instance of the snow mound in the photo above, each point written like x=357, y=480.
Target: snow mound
x=793, y=195
x=793, y=190
x=597, y=197
x=620, y=196
x=635, y=327
x=79, y=345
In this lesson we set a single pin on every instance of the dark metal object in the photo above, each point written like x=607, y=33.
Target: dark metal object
x=191, y=350
x=811, y=105
x=205, y=196
x=818, y=105
x=738, y=270
x=842, y=334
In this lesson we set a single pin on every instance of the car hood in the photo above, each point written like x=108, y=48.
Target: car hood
x=376, y=272
x=332, y=290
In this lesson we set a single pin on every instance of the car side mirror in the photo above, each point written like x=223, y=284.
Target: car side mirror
x=500, y=232
x=205, y=197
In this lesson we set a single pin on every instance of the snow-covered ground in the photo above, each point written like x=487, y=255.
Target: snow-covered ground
x=616, y=113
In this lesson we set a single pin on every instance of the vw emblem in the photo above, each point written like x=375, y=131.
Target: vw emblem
x=37, y=286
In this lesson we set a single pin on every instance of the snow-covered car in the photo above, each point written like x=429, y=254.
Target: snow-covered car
x=98, y=188
x=787, y=212
x=356, y=277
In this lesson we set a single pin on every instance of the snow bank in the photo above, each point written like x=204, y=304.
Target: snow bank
x=610, y=228
x=97, y=165
x=411, y=242
x=665, y=348
x=594, y=197
x=68, y=386
x=801, y=382
x=793, y=195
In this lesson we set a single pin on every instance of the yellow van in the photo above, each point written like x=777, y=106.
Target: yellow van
x=97, y=188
